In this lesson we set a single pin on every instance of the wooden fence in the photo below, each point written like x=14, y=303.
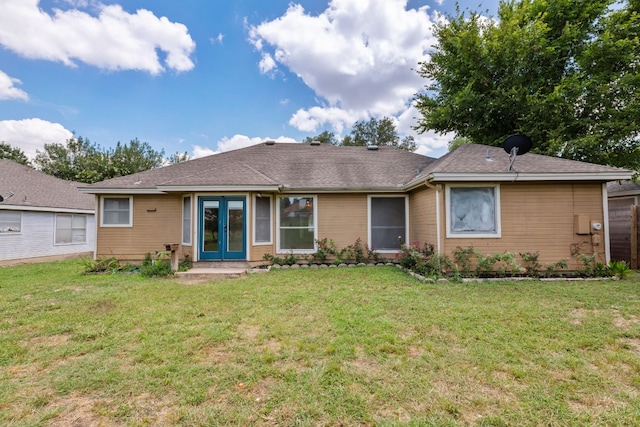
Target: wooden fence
x=623, y=232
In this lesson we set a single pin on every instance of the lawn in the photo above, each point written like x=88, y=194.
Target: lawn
x=352, y=346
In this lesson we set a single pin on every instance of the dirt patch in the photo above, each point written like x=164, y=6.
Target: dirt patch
x=625, y=323
x=633, y=344
x=103, y=307
x=249, y=332
x=46, y=340
x=76, y=411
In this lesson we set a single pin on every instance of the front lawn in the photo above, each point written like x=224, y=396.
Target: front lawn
x=352, y=346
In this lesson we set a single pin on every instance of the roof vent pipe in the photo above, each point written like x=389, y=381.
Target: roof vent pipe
x=372, y=147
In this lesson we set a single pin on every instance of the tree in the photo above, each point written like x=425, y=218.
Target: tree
x=565, y=73
x=80, y=160
x=15, y=154
x=378, y=132
x=325, y=137
x=177, y=157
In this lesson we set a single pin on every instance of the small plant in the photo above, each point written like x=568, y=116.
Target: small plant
x=531, y=262
x=288, y=259
x=326, y=247
x=185, y=263
x=101, y=265
x=158, y=266
x=462, y=258
x=620, y=269
x=588, y=266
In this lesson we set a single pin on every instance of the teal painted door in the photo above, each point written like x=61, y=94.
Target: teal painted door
x=222, y=228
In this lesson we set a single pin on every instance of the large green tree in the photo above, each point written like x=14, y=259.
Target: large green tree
x=565, y=72
x=381, y=132
x=80, y=160
x=13, y=153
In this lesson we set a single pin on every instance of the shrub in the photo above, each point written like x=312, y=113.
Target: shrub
x=620, y=269
x=101, y=265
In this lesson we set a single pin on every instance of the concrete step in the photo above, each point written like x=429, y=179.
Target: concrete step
x=222, y=264
x=203, y=273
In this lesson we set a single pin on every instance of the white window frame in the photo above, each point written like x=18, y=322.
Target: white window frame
x=279, y=250
x=129, y=224
x=478, y=235
x=11, y=233
x=255, y=219
x=369, y=221
x=189, y=235
x=55, y=237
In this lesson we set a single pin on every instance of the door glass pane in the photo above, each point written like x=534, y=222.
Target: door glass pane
x=210, y=235
x=235, y=218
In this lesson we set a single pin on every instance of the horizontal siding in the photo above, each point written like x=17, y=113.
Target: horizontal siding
x=422, y=219
x=343, y=218
x=150, y=231
x=540, y=218
x=37, y=239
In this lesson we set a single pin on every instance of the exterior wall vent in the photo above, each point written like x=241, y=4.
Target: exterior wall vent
x=372, y=147
x=270, y=142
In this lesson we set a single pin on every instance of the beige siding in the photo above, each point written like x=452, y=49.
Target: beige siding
x=343, y=218
x=540, y=218
x=422, y=216
x=156, y=220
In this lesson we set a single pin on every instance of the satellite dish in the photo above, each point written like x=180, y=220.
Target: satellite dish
x=515, y=145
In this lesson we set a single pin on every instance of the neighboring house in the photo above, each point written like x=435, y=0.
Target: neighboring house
x=280, y=198
x=42, y=217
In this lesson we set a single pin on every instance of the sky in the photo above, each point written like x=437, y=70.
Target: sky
x=208, y=76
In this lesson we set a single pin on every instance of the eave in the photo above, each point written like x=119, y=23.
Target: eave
x=96, y=190
x=524, y=176
x=46, y=209
x=218, y=188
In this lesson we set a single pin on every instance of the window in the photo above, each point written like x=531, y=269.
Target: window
x=71, y=229
x=117, y=212
x=10, y=221
x=262, y=215
x=186, y=220
x=296, y=224
x=387, y=223
x=473, y=211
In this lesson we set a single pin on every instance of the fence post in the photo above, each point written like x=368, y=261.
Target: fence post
x=634, y=237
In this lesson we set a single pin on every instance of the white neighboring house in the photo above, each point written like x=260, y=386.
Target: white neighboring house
x=42, y=217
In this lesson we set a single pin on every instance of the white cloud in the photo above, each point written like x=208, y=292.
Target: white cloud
x=236, y=142
x=200, y=151
x=8, y=90
x=31, y=134
x=267, y=63
x=113, y=40
x=359, y=56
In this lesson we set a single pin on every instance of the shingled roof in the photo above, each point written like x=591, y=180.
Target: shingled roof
x=23, y=187
x=473, y=162
x=324, y=167
x=290, y=166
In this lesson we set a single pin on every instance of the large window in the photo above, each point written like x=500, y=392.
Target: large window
x=71, y=229
x=473, y=211
x=262, y=215
x=10, y=221
x=186, y=220
x=117, y=212
x=296, y=224
x=387, y=223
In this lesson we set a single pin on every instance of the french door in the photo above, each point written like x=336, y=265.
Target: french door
x=222, y=230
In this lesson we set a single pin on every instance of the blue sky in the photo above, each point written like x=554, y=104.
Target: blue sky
x=206, y=76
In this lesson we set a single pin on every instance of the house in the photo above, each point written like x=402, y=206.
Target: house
x=277, y=198
x=42, y=217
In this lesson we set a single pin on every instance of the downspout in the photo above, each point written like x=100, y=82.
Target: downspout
x=605, y=214
x=438, y=220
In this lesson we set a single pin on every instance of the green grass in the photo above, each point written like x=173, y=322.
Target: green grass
x=356, y=346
